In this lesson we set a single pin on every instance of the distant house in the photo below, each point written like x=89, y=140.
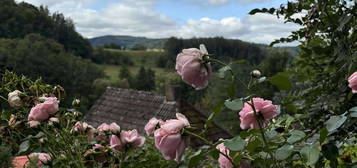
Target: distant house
x=132, y=109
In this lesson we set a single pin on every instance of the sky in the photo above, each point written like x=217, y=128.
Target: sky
x=166, y=18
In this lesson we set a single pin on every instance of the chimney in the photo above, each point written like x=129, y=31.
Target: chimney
x=169, y=91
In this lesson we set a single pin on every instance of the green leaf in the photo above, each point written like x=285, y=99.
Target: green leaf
x=296, y=135
x=335, y=122
x=231, y=90
x=235, y=104
x=310, y=154
x=195, y=158
x=24, y=146
x=235, y=144
x=284, y=152
x=323, y=135
x=215, y=153
x=330, y=152
x=254, y=145
x=281, y=80
x=223, y=70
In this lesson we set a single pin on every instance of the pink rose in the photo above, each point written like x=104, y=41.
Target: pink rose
x=38, y=113
x=264, y=108
x=151, y=125
x=115, y=143
x=224, y=162
x=51, y=105
x=168, y=139
x=132, y=137
x=352, y=80
x=103, y=127
x=114, y=128
x=42, y=111
x=78, y=126
x=190, y=66
x=43, y=157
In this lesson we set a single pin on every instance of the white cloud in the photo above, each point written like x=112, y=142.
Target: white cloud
x=259, y=28
x=139, y=18
x=211, y=27
x=217, y=2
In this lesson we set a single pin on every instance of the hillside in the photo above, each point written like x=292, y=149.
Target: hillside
x=128, y=41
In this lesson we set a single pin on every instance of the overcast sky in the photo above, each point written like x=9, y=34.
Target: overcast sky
x=165, y=18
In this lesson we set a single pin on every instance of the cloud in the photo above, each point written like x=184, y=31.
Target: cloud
x=126, y=17
x=259, y=28
x=207, y=27
x=217, y=2
x=140, y=18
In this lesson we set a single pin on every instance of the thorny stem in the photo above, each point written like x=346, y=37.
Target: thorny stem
x=210, y=144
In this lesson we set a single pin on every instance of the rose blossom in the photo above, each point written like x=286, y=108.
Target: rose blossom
x=51, y=105
x=38, y=113
x=132, y=137
x=42, y=111
x=14, y=99
x=190, y=66
x=168, y=139
x=114, y=128
x=352, y=80
x=151, y=125
x=103, y=127
x=224, y=162
x=43, y=157
x=264, y=108
x=116, y=143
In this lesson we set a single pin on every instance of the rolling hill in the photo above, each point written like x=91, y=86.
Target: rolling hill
x=128, y=41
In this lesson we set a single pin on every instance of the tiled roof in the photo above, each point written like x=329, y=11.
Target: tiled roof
x=132, y=109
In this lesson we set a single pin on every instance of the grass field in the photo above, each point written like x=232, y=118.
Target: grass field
x=146, y=59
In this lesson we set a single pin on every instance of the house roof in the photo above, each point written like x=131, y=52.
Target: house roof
x=132, y=109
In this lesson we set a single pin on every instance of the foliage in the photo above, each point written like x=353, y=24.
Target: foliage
x=103, y=56
x=128, y=41
x=113, y=46
x=36, y=56
x=328, y=56
x=20, y=19
x=144, y=80
x=66, y=147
